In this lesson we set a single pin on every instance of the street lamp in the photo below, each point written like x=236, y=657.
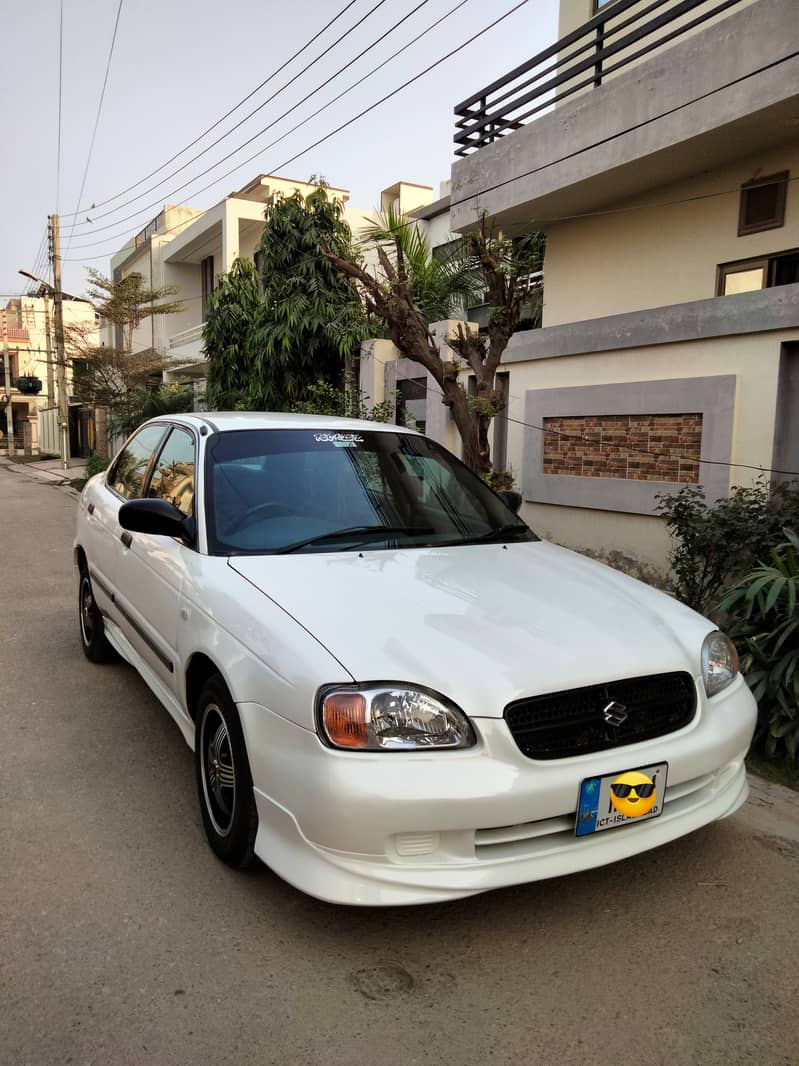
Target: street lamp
x=61, y=369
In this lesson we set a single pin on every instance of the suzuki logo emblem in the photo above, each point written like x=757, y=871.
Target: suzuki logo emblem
x=615, y=714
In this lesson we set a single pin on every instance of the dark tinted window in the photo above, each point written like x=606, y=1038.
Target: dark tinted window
x=763, y=204
x=270, y=489
x=173, y=476
x=127, y=474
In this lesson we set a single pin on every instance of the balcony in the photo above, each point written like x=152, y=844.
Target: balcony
x=634, y=98
x=187, y=346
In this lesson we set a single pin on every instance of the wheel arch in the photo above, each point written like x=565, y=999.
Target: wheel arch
x=199, y=669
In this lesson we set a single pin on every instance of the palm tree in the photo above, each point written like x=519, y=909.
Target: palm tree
x=443, y=283
x=413, y=288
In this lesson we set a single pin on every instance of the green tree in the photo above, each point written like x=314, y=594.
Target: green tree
x=114, y=375
x=140, y=404
x=228, y=336
x=311, y=321
x=413, y=288
x=125, y=303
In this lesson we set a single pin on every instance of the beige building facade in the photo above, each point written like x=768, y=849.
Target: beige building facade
x=27, y=336
x=668, y=190
x=190, y=248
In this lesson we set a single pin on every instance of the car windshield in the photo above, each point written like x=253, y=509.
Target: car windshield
x=314, y=490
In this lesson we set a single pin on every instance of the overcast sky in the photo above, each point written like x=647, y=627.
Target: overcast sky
x=179, y=65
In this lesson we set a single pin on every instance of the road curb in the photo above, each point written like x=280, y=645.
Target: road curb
x=45, y=477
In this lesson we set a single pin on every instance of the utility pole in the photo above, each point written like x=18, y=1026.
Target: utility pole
x=9, y=402
x=61, y=363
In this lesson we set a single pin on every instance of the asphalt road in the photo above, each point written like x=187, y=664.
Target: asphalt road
x=124, y=941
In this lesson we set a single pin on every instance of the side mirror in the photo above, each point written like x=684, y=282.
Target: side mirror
x=511, y=499
x=158, y=517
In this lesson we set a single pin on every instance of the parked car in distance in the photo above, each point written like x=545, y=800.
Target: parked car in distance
x=394, y=691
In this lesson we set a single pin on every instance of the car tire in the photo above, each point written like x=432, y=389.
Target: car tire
x=94, y=642
x=224, y=781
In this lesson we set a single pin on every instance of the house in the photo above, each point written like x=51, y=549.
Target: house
x=190, y=248
x=27, y=331
x=659, y=151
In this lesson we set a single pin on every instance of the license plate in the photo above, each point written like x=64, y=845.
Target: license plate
x=615, y=800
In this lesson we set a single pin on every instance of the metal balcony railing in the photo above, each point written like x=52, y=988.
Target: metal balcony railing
x=614, y=38
x=186, y=336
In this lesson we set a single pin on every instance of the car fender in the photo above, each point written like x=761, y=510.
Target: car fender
x=270, y=659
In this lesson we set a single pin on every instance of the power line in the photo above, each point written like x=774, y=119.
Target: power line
x=489, y=188
x=410, y=222
x=60, y=85
x=355, y=118
x=96, y=122
x=219, y=121
x=319, y=110
x=199, y=155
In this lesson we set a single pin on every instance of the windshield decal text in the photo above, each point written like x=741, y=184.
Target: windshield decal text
x=338, y=438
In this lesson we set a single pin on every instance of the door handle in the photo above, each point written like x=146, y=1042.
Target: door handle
x=126, y=539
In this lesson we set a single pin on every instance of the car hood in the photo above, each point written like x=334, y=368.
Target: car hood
x=481, y=624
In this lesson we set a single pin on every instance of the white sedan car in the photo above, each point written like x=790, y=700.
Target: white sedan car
x=395, y=692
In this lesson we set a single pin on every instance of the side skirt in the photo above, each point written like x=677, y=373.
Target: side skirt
x=121, y=644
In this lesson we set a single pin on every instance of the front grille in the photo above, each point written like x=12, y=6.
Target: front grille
x=562, y=724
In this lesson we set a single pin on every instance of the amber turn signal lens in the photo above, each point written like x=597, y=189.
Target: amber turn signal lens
x=344, y=719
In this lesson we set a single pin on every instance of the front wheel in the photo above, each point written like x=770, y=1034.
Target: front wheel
x=224, y=782
x=93, y=640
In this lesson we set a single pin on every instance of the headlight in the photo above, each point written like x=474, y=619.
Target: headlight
x=391, y=718
x=719, y=662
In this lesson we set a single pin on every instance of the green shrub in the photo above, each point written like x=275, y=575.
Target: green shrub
x=142, y=403
x=764, y=620
x=714, y=545
x=96, y=463
x=322, y=398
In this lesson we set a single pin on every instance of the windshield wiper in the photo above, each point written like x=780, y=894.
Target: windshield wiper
x=500, y=532
x=353, y=531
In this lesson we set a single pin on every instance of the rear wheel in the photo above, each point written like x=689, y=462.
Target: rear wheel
x=93, y=640
x=224, y=782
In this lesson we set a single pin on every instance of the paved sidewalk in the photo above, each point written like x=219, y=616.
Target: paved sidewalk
x=47, y=469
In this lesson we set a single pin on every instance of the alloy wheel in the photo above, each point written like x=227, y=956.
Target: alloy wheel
x=87, y=610
x=217, y=769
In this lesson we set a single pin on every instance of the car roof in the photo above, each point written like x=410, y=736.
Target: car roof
x=224, y=421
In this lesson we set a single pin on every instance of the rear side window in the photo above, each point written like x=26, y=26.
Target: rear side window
x=127, y=474
x=173, y=476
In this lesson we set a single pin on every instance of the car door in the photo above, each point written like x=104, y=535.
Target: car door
x=150, y=569
x=124, y=481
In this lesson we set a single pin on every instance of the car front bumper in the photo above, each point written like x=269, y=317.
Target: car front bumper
x=398, y=828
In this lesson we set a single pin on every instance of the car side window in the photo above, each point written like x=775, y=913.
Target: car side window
x=127, y=474
x=173, y=476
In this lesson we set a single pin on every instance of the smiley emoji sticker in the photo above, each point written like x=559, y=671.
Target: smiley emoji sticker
x=633, y=794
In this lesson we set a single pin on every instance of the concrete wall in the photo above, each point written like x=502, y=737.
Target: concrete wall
x=382, y=367
x=188, y=278
x=754, y=361
x=666, y=247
